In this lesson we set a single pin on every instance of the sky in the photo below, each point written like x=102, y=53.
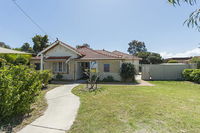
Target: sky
x=103, y=24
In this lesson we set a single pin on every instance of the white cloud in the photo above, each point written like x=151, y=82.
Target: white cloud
x=189, y=53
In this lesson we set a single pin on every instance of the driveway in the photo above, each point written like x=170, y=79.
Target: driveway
x=60, y=114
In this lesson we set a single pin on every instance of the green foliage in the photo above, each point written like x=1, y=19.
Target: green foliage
x=192, y=75
x=144, y=56
x=2, y=61
x=127, y=72
x=40, y=43
x=108, y=79
x=27, y=48
x=187, y=74
x=172, y=61
x=195, y=75
x=45, y=77
x=84, y=45
x=154, y=58
x=59, y=76
x=193, y=20
x=3, y=45
x=150, y=58
x=136, y=47
x=19, y=86
x=16, y=59
x=196, y=60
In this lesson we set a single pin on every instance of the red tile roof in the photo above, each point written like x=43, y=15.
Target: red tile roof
x=125, y=55
x=93, y=54
x=108, y=53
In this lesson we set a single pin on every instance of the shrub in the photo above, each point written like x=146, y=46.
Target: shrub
x=16, y=59
x=59, y=76
x=195, y=75
x=187, y=74
x=2, y=61
x=45, y=77
x=19, y=86
x=172, y=61
x=197, y=61
x=108, y=79
x=21, y=60
x=127, y=72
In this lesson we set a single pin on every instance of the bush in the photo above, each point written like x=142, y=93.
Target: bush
x=172, y=61
x=197, y=61
x=187, y=74
x=127, y=72
x=21, y=60
x=45, y=77
x=108, y=79
x=19, y=86
x=59, y=76
x=2, y=61
x=192, y=75
x=195, y=75
x=16, y=59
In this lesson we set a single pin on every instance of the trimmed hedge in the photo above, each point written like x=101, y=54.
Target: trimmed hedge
x=19, y=87
x=192, y=75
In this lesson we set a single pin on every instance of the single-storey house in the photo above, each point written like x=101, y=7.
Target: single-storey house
x=71, y=62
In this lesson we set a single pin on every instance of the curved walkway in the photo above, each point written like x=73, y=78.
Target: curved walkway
x=60, y=114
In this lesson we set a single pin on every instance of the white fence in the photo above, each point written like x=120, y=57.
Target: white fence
x=165, y=71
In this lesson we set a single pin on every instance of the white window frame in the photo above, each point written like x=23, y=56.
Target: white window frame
x=58, y=67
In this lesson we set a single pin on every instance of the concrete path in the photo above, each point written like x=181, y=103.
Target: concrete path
x=60, y=114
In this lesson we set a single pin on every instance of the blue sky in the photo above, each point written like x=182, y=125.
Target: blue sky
x=108, y=24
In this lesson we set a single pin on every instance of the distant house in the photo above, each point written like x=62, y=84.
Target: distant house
x=72, y=62
x=179, y=59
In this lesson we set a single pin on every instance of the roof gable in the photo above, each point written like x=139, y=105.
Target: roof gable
x=62, y=44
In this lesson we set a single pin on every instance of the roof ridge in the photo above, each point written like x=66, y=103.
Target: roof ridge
x=110, y=53
x=98, y=52
x=107, y=54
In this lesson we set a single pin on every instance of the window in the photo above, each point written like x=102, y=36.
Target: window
x=60, y=67
x=106, y=67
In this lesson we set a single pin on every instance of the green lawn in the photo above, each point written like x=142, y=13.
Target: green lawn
x=168, y=107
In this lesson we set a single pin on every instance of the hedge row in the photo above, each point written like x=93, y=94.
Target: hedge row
x=19, y=87
x=192, y=75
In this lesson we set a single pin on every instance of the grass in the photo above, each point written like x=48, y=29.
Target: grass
x=168, y=107
x=38, y=108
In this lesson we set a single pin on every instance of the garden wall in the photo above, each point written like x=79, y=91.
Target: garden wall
x=165, y=71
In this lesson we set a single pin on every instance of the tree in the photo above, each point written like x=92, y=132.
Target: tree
x=84, y=45
x=27, y=48
x=144, y=56
x=150, y=58
x=40, y=43
x=196, y=60
x=136, y=47
x=194, y=18
x=127, y=72
x=154, y=58
x=3, y=45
